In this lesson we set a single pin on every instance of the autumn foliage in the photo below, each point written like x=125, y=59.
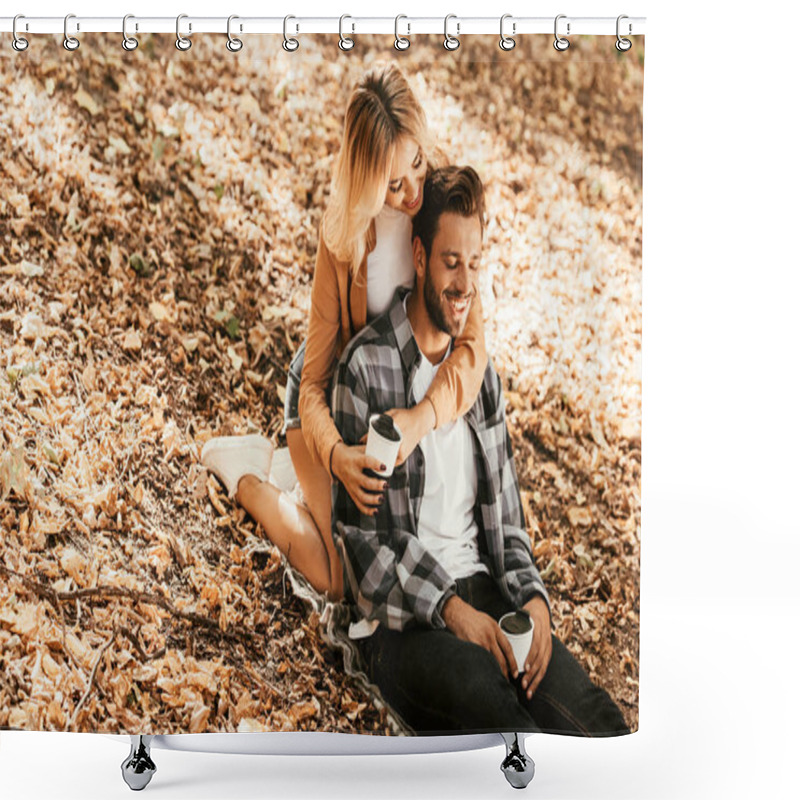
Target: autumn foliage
x=159, y=217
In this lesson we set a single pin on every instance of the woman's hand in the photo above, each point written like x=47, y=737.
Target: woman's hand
x=348, y=464
x=413, y=424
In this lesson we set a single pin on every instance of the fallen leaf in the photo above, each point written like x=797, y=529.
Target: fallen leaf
x=159, y=311
x=33, y=327
x=85, y=100
x=74, y=564
x=199, y=719
x=132, y=341
x=119, y=144
x=236, y=360
x=250, y=725
x=579, y=516
x=303, y=711
x=30, y=270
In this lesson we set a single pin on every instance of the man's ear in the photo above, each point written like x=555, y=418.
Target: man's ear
x=418, y=251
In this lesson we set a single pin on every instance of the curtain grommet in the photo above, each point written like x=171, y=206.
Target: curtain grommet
x=623, y=45
x=506, y=42
x=233, y=44
x=401, y=43
x=181, y=42
x=451, y=43
x=345, y=42
x=129, y=43
x=19, y=43
x=290, y=44
x=70, y=42
x=560, y=43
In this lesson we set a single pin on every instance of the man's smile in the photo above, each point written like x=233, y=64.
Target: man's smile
x=458, y=303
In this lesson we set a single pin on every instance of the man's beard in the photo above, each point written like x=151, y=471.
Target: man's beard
x=434, y=305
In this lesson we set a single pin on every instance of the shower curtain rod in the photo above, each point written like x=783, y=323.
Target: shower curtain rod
x=347, y=25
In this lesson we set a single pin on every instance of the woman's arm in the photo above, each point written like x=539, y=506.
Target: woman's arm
x=342, y=462
x=324, y=326
x=458, y=381
x=454, y=389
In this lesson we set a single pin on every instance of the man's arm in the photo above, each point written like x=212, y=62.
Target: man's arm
x=524, y=580
x=398, y=580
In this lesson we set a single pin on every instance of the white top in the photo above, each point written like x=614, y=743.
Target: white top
x=446, y=525
x=391, y=263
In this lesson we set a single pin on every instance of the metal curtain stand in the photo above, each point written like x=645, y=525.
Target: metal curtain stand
x=138, y=768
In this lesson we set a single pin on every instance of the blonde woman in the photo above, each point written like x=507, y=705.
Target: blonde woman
x=364, y=254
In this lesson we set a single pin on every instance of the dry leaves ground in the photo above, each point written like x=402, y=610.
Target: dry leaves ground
x=158, y=226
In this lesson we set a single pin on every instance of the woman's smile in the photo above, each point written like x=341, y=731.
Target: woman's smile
x=409, y=167
x=415, y=202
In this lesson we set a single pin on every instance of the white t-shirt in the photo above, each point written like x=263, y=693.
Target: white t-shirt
x=446, y=524
x=391, y=263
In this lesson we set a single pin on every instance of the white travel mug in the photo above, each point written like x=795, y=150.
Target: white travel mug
x=512, y=625
x=383, y=442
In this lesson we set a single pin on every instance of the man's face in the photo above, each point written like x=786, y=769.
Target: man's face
x=451, y=274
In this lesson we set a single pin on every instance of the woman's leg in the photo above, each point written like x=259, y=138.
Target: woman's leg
x=290, y=527
x=316, y=485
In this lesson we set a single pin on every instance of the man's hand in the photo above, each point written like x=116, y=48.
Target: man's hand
x=348, y=464
x=413, y=424
x=474, y=626
x=541, y=646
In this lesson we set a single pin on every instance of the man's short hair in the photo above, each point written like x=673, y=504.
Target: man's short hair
x=448, y=189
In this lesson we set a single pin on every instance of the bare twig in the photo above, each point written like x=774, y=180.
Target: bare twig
x=5, y=685
x=86, y=416
x=140, y=597
x=256, y=681
x=83, y=699
x=131, y=636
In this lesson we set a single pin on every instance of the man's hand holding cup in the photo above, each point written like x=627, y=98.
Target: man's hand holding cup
x=541, y=645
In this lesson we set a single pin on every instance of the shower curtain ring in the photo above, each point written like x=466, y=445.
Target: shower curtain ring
x=345, y=42
x=70, y=42
x=560, y=43
x=233, y=44
x=128, y=42
x=19, y=43
x=400, y=42
x=623, y=45
x=506, y=42
x=182, y=43
x=289, y=45
x=451, y=42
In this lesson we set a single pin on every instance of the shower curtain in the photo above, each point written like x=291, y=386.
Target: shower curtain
x=160, y=219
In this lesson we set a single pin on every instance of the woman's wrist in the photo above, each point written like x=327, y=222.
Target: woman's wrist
x=330, y=463
x=428, y=413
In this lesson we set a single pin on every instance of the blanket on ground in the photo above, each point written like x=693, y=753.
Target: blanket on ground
x=335, y=617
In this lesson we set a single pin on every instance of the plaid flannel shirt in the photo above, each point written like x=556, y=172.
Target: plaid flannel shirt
x=389, y=575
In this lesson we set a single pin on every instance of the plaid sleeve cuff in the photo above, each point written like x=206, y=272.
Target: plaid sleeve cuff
x=540, y=591
x=437, y=620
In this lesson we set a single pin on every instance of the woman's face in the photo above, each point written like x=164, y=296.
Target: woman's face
x=406, y=177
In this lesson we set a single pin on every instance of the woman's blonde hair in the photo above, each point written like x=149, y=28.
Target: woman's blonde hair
x=381, y=109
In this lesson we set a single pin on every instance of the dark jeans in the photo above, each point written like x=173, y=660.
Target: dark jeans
x=440, y=684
